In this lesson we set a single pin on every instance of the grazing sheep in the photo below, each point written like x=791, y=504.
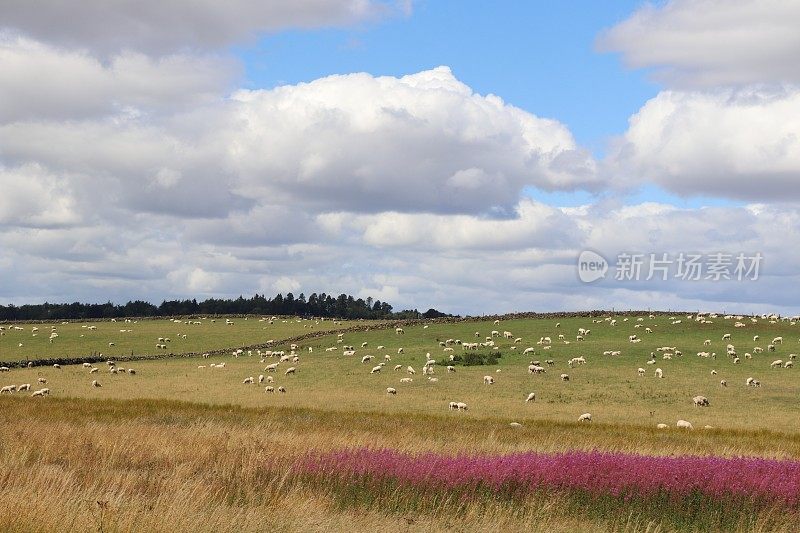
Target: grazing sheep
x=410, y=370
x=461, y=406
x=281, y=389
x=24, y=387
x=564, y=377
x=488, y=380
x=451, y=369
x=531, y=397
x=515, y=425
x=41, y=392
x=290, y=370
x=683, y=424
x=788, y=364
x=366, y=358
x=94, y=370
x=700, y=401
x=56, y=365
x=42, y=380
x=131, y=371
x=659, y=373
x=390, y=390
x=641, y=371
x=260, y=379
x=662, y=426
x=95, y=383
x=585, y=417
x=248, y=381
x=398, y=367
x=453, y=406
x=375, y=369
x=269, y=388
x=777, y=363
x=8, y=388
x=723, y=383
x=271, y=368
x=406, y=380
x=399, y=331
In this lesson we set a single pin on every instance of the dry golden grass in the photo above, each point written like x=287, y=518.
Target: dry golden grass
x=83, y=465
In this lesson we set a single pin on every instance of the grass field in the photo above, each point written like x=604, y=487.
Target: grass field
x=141, y=337
x=197, y=439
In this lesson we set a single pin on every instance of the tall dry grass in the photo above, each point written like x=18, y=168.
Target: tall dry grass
x=81, y=465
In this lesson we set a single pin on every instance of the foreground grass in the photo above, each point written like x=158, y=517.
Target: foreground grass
x=169, y=466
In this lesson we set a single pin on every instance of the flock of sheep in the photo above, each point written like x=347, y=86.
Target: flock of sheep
x=276, y=360
x=544, y=344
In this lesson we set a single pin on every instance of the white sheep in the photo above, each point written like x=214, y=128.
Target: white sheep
x=96, y=383
x=488, y=380
x=390, y=390
x=248, y=381
x=531, y=397
x=700, y=401
x=375, y=369
x=641, y=371
x=269, y=388
x=659, y=373
x=290, y=370
x=683, y=424
x=585, y=417
x=410, y=370
x=564, y=377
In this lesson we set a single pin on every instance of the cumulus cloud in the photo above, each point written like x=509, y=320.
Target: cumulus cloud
x=422, y=142
x=45, y=82
x=160, y=27
x=742, y=144
x=706, y=43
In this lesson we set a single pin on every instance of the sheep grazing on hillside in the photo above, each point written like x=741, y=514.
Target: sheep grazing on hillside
x=281, y=389
x=659, y=373
x=700, y=401
x=641, y=371
x=683, y=424
x=406, y=380
x=375, y=369
x=531, y=397
x=585, y=417
x=390, y=390
x=410, y=370
x=269, y=388
x=96, y=383
x=290, y=370
x=399, y=331
x=564, y=377
x=488, y=380
x=248, y=381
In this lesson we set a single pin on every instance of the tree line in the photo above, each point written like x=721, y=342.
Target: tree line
x=318, y=305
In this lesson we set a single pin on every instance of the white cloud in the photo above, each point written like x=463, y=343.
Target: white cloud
x=741, y=144
x=165, y=26
x=45, y=82
x=423, y=142
x=704, y=43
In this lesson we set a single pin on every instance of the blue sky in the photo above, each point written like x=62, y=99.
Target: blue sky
x=539, y=56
